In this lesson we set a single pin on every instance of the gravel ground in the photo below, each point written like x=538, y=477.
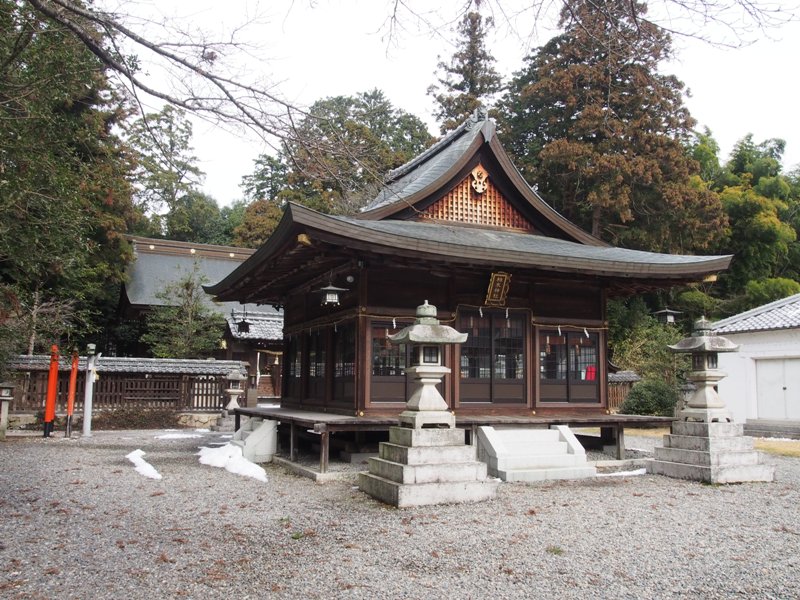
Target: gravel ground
x=79, y=522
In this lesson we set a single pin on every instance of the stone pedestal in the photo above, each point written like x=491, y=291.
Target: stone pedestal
x=714, y=452
x=419, y=467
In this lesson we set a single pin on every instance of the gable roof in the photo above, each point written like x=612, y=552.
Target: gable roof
x=439, y=166
x=780, y=314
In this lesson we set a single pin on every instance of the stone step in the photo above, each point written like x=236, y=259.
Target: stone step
x=426, y=454
x=688, y=442
x=522, y=475
x=442, y=472
x=516, y=447
x=698, y=457
x=713, y=474
x=423, y=494
x=529, y=435
x=531, y=461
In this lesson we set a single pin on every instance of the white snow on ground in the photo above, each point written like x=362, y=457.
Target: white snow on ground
x=624, y=473
x=203, y=430
x=178, y=436
x=230, y=458
x=142, y=466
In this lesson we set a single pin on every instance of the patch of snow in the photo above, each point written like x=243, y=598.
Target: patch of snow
x=178, y=436
x=142, y=466
x=203, y=430
x=230, y=458
x=624, y=473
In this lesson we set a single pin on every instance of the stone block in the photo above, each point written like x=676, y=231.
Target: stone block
x=406, y=436
x=706, y=429
x=713, y=474
x=707, y=444
x=400, y=473
x=424, y=494
x=699, y=457
x=435, y=455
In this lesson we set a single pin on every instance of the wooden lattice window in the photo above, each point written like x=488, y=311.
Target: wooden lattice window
x=465, y=205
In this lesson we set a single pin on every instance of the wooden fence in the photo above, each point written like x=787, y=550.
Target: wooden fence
x=617, y=392
x=178, y=392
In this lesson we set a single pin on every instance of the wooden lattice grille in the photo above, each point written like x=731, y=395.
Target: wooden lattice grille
x=464, y=205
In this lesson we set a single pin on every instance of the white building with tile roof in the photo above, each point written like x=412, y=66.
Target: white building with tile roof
x=763, y=382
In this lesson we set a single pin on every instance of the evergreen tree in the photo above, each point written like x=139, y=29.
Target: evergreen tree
x=344, y=147
x=602, y=133
x=184, y=327
x=166, y=168
x=469, y=80
x=64, y=197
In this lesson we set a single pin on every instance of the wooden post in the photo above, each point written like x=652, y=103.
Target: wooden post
x=73, y=385
x=52, y=390
x=324, y=450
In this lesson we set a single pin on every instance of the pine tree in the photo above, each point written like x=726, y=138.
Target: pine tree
x=604, y=135
x=470, y=79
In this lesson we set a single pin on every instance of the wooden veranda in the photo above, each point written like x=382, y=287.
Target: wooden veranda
x=612, y=426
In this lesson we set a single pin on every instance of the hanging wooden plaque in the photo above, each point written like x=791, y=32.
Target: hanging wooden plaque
x=498, y=289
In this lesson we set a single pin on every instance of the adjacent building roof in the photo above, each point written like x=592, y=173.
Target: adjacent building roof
x=159, y=263
x=261, y=325
x=113, y=364
x=781, y=314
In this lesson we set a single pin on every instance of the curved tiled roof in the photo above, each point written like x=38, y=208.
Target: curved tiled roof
x=781, y=314
x=262, y=326
x=426, y=168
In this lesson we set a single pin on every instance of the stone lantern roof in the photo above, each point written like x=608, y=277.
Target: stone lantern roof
x=427, y=330
x=703, y=339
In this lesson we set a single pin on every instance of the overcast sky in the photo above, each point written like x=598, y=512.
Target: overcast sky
x=342, y=48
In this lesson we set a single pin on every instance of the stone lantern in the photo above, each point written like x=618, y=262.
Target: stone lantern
x=235, y=388
x=426, y=407
x=704, y=404
x=6, y=395
x=426, y=460
x=704, y=444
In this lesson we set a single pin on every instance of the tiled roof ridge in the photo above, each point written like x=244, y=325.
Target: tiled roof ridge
x=478, y=117
x=123, y=364
x=755, y=312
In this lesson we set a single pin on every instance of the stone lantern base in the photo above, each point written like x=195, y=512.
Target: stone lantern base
x=711, y=452
x=419, y=467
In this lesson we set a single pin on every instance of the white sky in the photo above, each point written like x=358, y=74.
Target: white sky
x=341, y=48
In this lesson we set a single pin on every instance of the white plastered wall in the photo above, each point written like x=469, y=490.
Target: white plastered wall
x=738, y=389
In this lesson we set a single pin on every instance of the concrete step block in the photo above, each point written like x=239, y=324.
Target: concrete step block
x=713, y=474
x=425, y=454
x=445, y=472
x=538, y=448
x=690, y=442
x=531, y=475
x=698, y=457
x=542, y=461
x=423, y=494
x=538, y=435
x=406, y=436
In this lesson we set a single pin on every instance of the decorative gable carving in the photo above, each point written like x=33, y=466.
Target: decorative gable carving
x=476, y=201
